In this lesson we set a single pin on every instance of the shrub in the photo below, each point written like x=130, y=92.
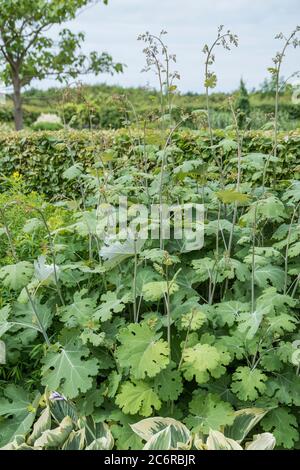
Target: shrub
x=48, y=122
x=43, y=157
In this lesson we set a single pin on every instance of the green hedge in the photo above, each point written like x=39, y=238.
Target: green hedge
x=110, y=113
x=291, y=110
x=30, y=113
x=41, y=157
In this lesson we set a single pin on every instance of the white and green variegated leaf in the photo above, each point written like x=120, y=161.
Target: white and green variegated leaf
x=61, y=408
x=244, y=421
x=54, y=438
x=264, y=441
x=75, y=440
x=149, y=427
x=217, y=441
x=42, y=424
x=15, y=444
x=97, y=435
x=100, y=444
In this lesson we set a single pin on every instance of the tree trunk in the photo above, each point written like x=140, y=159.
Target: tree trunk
x=17, y=98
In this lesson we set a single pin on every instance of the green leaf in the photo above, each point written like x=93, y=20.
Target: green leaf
x=138, y=397
x=228, y=144
x=122, y=432
x=249, y=322
x=168, y=383
x=270, y=208
x=229, y=196
x=201, y=359
x=284, y=322
x=194, y=319
x=142, y=350
x=23, y=315
x=256, y=161
x=283, y=425
x=144, y=276
x=207, y=412
x=211, y=80
x=153, y=291
x=19, y=410
x=94, y=337
x=284, y=386
x=248, y=383
x=293, y=193
x=32, y=224
x=225, y=268
x=227, y=313
x=270, y=274
x=278, y=301
x=17, y=444
x=113, y=380
x=16, y=276
x=87, y=224
x=5, y=325
x=80, y=312
x=73, y=172
x=236, y=344
x=204, y=268
x=159, y=256
x=90, y=401
x=110, y=304
x=117, y=252
x=267, y=305
x=66, y=371
x=294, y=250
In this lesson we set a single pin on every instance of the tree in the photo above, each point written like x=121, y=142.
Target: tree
x=27, y=52
x=268, y=87
x=243, y=103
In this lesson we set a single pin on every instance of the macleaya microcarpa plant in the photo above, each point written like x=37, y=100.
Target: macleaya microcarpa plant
x=124, y=331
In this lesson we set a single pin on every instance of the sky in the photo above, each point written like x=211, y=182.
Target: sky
x=190, y=24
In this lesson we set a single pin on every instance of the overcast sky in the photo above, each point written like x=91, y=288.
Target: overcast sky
x=191, y=23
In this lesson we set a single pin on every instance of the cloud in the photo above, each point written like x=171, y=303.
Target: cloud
x=190, y=23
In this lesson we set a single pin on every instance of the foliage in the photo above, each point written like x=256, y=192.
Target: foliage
x=243, y=104
x=48, y=155
x=45, y=122
x=60, y=427
x=220, y=341
x=169, y=434
x=112, y=107
x=130, y=328
x=27, y=52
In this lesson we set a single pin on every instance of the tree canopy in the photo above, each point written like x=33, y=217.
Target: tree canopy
x=27, y=51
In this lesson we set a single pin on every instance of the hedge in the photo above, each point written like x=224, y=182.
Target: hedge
x=30, y=113
x=109, y=113
x=41, y=157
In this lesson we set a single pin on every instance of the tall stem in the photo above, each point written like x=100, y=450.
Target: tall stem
x=253, y=262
